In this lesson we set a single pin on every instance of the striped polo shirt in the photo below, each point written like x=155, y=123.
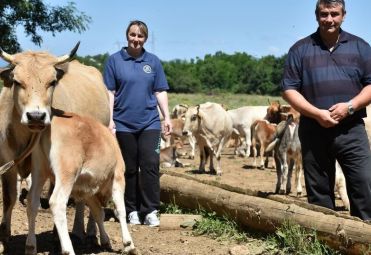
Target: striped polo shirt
x=325, y=78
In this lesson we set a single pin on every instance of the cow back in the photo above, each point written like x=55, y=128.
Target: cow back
x=82, y=91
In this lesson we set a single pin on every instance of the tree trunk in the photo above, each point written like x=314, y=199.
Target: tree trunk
x=264, y=214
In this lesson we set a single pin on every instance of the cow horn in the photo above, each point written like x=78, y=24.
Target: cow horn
x=6, y=56
x=66, y=58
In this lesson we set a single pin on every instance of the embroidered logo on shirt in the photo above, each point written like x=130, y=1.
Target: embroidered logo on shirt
x=147, y=69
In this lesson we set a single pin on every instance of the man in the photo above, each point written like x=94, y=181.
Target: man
x=327, y=79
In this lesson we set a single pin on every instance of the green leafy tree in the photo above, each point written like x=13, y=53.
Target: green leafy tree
x=97, y=61
x=35, y=16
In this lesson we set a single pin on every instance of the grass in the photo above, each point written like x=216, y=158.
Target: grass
x=293, y=239
x=290, y=238
x=231, y=101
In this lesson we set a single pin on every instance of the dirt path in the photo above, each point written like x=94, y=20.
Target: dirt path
x=236, y=172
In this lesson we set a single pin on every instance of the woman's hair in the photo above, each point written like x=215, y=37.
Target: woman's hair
x=142, y=26
x=330, y=2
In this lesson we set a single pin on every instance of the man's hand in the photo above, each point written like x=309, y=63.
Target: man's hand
x=339, y=111
x=325, y=120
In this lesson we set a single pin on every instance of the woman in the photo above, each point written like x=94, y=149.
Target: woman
x=137, y=84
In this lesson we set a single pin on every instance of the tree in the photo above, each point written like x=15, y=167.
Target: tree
x=35, y=16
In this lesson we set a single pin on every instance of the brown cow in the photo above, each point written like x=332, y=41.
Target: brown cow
x=34, y=77
x=262, y=133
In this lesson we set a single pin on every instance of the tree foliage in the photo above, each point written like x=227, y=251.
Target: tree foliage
x=35, y=16
x=237, y=73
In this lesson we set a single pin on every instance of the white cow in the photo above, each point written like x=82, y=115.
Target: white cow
x=211, y=125
x=242, y=119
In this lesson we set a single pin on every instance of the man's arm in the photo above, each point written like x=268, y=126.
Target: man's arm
x=340, y=111
x=296, y=100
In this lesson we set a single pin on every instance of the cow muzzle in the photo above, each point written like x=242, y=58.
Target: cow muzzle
x=36, y=121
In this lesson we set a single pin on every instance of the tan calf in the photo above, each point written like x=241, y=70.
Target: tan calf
x=262, y=133
x=86, y=163
x=34, y=83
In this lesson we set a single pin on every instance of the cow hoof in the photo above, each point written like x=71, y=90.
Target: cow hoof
x=282, y=192
x=92, y=241
x=131, y=251
x=107, y=246
x=298, y=194
x=261, y=167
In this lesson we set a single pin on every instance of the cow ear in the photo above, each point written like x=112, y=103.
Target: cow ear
x=7, y=76
x=61, y=69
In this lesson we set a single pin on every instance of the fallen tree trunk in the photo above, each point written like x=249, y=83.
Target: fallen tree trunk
x=341, y=233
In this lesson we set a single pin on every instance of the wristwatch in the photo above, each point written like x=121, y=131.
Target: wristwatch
x=350, y=108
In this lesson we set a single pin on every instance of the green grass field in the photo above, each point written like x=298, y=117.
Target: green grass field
x=231, y=101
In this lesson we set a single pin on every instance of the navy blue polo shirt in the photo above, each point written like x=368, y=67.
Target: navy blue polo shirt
x=135, y=82
x=325, y=78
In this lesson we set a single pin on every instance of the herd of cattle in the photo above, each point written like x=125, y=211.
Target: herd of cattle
x=53, y=118
x=273, y=129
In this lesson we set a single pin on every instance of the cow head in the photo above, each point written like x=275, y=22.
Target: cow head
x=33, y=76
x=192, y=120
x=273, y=112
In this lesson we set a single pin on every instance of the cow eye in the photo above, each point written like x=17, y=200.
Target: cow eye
x=194, y=117
x=53, y=83
x=16, y=83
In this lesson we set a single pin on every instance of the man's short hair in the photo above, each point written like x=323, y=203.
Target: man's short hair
x=330, y=2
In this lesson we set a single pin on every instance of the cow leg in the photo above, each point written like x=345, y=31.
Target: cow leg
x=262, y=150
x=298, y=174
x=254, y=153
x=192, y=143
x=289, y=175
x=33, y=204
x=279, y=172
x=58, y=205
x=9, y=181
x=203, y=159
x=78, y=223
x=98, y=214
x=210, y=154
x=247, y=132
x=118, y=200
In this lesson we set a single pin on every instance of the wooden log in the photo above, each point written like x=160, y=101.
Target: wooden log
x=178, y=221
x=342, y=233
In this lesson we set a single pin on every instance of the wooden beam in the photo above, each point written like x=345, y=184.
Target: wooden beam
x=341, y=233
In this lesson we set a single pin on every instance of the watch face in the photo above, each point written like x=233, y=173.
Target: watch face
x=350, y=109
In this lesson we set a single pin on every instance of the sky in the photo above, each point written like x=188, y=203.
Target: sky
x=190, y=29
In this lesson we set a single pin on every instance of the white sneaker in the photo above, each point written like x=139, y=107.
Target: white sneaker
x=134, y=218
x=151, y=219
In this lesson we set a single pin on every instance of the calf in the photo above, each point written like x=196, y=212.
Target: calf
x=179, y=111
x=177, y=134
x=169, y=156
x=287, y=155
x=86, y=163
x=262, y=133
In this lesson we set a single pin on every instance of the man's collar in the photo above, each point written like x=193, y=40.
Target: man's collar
x=316, y=37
